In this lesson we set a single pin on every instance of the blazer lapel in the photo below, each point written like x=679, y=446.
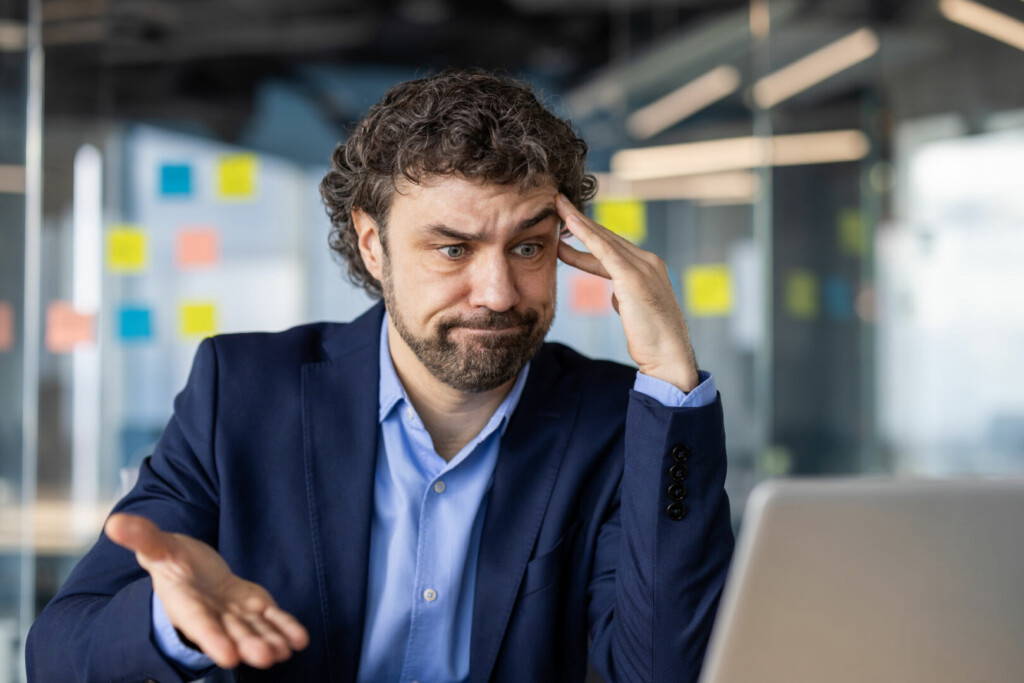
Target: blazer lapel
x=530, y=457
x=339, y=414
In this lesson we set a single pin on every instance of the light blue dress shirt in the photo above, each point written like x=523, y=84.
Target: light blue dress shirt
x=425, y=537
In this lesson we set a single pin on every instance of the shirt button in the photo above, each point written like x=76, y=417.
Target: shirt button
x=410, y=413
x=439, y=486
x=430, y=595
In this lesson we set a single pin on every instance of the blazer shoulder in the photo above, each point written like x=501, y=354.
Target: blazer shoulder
x=296, y=345
x=594, y=376
x=308, y=343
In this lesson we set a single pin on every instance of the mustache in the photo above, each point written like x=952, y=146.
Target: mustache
x=493, y=321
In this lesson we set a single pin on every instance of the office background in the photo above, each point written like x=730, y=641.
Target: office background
x=836, y=186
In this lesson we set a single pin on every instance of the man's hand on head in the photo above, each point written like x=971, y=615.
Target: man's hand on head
x=656, y=333
x=230, y=619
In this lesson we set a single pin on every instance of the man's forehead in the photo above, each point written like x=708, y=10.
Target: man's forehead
x=452, y=198
x=471, y=187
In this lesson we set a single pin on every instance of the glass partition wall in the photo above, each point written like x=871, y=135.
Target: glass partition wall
x=833, y=186
x=896, y=270
x=20, y=99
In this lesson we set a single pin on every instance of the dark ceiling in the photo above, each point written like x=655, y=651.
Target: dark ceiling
x=204, y=59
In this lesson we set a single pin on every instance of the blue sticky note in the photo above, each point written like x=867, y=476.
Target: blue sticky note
x=175, y=180
x=134, y=323
x=838, y=298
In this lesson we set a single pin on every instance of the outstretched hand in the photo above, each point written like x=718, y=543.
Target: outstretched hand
x=656, y=333
x=230, y=619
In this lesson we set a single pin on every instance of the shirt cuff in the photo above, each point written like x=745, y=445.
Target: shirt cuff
x=671, y=396
x=170, y=644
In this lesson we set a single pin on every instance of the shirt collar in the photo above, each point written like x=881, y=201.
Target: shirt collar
x=392, y=392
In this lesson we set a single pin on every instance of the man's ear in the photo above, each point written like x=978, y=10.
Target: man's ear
x=368, y=238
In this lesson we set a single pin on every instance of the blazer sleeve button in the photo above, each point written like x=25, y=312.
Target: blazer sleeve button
x=676, y=491
x=676, y=511
x=678, y=471
x=680, y=452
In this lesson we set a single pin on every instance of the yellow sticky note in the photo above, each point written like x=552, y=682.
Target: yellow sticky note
x=625, y=217
x=198, y=318
x=852, y=235
x=126, y=249
x=708, y=289
x=801, y=293
x=236, y=176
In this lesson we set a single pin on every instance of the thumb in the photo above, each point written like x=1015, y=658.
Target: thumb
x=137, y=534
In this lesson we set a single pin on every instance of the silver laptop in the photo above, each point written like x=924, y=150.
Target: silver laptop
x=868, y=580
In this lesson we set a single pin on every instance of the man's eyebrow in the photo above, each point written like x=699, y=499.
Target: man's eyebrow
x=444, y=231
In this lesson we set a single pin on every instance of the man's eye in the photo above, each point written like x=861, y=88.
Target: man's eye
x=454, y=251
x=528, y=249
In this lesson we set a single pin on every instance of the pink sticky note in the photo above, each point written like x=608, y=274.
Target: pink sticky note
x=589, y=294
x=6, y=326
x=66, y=328
x=197, y=247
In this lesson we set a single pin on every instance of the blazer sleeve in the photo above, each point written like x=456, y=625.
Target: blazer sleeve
x=99, y=625
x=664, y=550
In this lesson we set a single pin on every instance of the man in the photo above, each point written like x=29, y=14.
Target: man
x=428, y=493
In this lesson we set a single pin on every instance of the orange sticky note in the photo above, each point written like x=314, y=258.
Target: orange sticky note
x=66, y=328
x=6, y=326
x=589, y=294
x=197, y=247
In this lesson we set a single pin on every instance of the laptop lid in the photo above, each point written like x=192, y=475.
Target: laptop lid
x=854, y=580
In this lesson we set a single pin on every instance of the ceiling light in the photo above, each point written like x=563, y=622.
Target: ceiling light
x=816, y=67
x=730, y=154
x=985, y=20
x=731, y=187
x=683, y=102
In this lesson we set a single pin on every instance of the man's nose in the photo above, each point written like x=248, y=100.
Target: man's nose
x=493, y=285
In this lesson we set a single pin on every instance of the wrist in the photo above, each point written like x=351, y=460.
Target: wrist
x=684, y=377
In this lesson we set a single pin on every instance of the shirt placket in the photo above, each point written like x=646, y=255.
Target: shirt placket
x=429, y=587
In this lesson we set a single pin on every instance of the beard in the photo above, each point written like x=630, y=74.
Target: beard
x=482, y=362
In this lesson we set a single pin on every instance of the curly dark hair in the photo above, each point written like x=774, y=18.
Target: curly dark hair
x=478, y=124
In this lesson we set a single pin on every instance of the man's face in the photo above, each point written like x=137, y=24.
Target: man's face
x=469, y=276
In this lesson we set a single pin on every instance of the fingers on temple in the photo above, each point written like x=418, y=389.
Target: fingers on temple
x=588, y=225
x=582, y=260
x=615, y=259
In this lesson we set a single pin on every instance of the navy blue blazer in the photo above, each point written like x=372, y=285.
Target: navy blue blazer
x=269, y=457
